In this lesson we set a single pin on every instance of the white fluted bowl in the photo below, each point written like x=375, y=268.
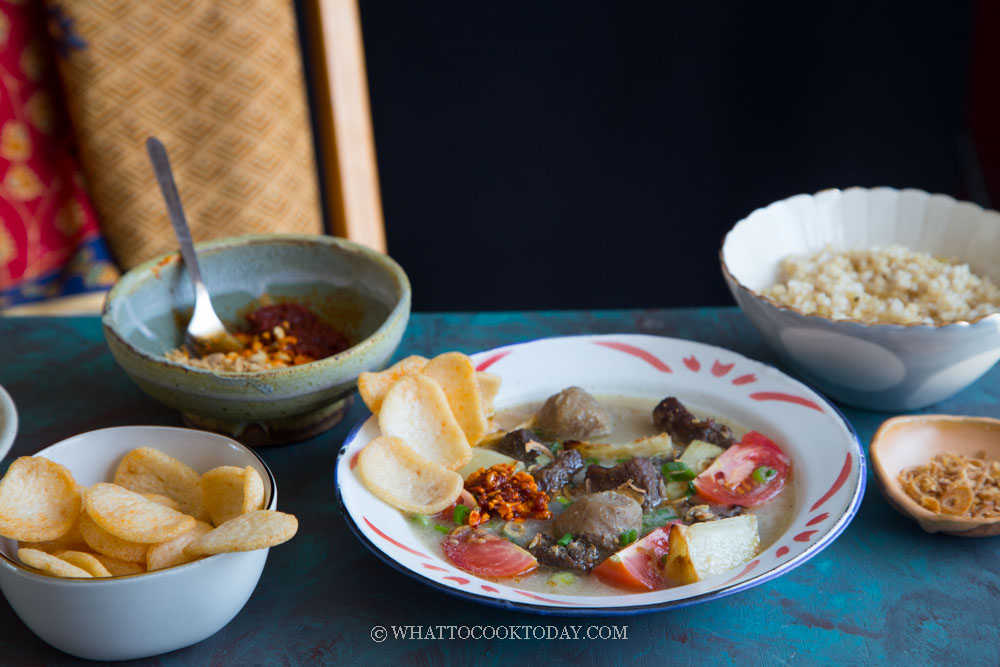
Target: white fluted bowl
x=888, y=367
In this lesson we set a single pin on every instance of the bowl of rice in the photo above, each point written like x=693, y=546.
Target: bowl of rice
x=884, y=299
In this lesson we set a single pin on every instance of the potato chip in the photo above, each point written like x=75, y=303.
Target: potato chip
x=406, y=480
x=118, y=567
x=39, y=500
x=166, y=501
x=50, y=564
x=222, y=493
x=171, y=552
x=148, y=470
x=489, y=387
x=374, y=386
x=105, y=543
x=456, y=375
x=259, y=529
x=85, y=561
x=416, y=410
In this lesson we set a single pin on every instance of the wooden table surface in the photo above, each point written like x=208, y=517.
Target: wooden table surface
x=883, y=593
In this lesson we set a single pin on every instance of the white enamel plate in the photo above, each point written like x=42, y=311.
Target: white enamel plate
x=827, y=459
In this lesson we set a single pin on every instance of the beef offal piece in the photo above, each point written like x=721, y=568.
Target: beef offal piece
x=572, y=414
x=313, y=337
x=671, y=416
x=640, y=472
x=579, y=555
x=554, y=476
x=512, y=445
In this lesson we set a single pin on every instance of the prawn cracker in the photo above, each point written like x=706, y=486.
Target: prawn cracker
x=489, y=387
x=416, y=410
x=229, y=491
x=118, y=567
x=129, y=516
x=374, y=386
x=50, y=564
x=456, y=375
x=259, y=529
x=105, y=543
x=148, y=470
x=171, y=552
x=85, y=561
x=406, y=480
x=39, y=500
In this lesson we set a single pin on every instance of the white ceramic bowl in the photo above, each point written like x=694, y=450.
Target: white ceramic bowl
x=145, y=614
x=828, y=462
x=875, y=366
x=8, y=422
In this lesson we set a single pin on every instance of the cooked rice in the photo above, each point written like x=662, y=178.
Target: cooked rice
x=890, y=284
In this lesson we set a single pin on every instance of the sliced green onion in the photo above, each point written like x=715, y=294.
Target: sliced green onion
x=555, y=446
x=657, y=518
x=691, y=489
x=591, y=461
x=461, y=514
x=622, y=460
x=564, y=578
x=663, y=559
x=441, y=529
x=421, y=519
x=677, y=471
x=764, y=474
x=565, y=539
x=563, y=500
x=628, y=537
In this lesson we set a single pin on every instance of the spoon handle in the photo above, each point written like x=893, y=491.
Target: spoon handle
x=165, y=177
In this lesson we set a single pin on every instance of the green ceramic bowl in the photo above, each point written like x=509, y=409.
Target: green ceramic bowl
x=364, y=294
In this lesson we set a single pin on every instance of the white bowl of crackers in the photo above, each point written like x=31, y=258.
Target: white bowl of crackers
x=133, y=541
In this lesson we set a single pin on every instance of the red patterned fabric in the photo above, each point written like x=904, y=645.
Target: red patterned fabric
x=50, y=243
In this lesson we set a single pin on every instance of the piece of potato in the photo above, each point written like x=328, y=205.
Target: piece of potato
x=374, y=386
x=705, y=549
x=129, y=516
x=171, y=552
x=260, y=529
x=484, y=458
x=406, y=480
x=699, y=454
x=85, y=561
x=148, y=470
x=39, y=500
x=416, y=410
x=656, y=446
x=51, y=564
x=456, y=375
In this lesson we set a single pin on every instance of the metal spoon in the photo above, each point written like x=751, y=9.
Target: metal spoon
x=205, y=332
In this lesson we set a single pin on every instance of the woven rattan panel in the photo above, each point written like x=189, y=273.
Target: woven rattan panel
x=220, y=83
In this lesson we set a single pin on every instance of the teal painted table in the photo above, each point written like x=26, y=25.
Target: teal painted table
x=884, y=592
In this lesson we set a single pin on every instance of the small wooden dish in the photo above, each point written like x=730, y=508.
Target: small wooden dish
x=904, y=442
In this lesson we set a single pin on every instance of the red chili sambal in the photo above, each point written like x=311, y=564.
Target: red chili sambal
x=312, y=337
x=513, y=496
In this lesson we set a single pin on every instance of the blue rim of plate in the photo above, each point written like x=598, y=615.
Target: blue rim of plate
x=544, y=610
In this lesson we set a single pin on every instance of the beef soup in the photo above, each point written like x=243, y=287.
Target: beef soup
x=604, y=496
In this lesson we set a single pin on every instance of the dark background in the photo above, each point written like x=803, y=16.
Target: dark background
x=568, y=154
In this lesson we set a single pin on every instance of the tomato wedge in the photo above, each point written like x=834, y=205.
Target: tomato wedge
x=730, y=480
x=485, y=554
x=637, y=566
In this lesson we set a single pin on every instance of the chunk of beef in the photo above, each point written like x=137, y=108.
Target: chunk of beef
x=554, y=476
x=671, y=416
x=640, y=472
x=512, y=445
x=579, y=555
x=692, y=513
x=572, y=414
x=600, y=518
